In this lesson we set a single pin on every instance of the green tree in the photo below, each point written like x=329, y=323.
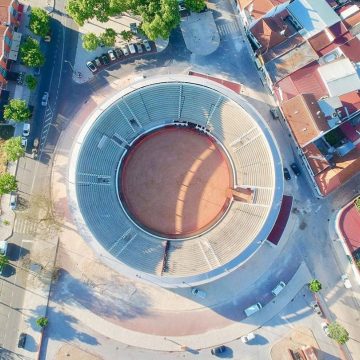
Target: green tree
x=159, y=18
x=39, y=22
x=126, y=35
x=31, y=82
x=82, y=10
x=4, y=260
x=195, y=5
x=108, y=37
x=314, y=286
x=31, y=54
x=357, y=203
x=338, y=333
x=13, y=149
x=42, y=321
x=90, y=42
x=8, y=183
x=17, y=110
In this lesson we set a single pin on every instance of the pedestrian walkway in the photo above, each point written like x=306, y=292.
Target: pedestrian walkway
x=228, y=28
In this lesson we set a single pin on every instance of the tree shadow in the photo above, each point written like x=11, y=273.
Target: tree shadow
x=16, y=252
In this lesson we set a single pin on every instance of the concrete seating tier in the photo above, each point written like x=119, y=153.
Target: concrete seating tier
x=141, y=110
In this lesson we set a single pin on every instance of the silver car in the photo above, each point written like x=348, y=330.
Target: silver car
x=45, y=99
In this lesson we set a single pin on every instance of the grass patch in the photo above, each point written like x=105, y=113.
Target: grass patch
x=6, y=132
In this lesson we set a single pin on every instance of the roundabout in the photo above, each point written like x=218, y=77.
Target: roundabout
x=180, y=191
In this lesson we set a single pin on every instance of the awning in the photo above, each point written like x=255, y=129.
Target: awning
x=15, y=46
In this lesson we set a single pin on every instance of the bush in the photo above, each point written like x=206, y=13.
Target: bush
x=315, y=286
x=8, y=183
x=31, y=54
x=13, y=149
x=31, y=82
x=338, y=333
x=17, y=110
x=42, y=321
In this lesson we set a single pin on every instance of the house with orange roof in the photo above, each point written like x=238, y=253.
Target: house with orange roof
x=9, y=38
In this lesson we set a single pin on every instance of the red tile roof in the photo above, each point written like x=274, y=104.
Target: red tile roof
x=260, y=7
x=351, y=100
x=352, y=49
x=305, y=118
x=321, y=40
x=304, y=81
x=315, y=158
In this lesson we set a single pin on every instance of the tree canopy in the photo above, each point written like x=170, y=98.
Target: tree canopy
x=42, y=321
x=108, y=37
x=39, y=22
x=17, y=110
x=13, y=149
x=195, y=5
x=8, y=183
x=90, y=42
x=159, y=16
x=338, y=333
x=31, y=54
x=315, y=285
x=126, y=35
x=31, y=82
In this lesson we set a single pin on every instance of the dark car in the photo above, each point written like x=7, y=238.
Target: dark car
x=90, y=65
x=104, y=59
x=118, y=53
x=218, y=350
x=22, y=340
x=287, y=175
x=295, y=169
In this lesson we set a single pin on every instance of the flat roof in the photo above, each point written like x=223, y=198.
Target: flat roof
x=313, y=15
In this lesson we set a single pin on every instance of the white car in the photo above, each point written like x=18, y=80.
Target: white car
x=147, y=45
x=45, y=99
x=13, y=201
x=112, y=55
x=125, y=50
x=24, y=142
x=248, y=337
x=26, y=129
x=346, y=281
x=132, y=49
x=198, y=293
x=325, y=327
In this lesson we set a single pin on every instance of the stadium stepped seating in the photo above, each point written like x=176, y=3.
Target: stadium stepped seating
x=197, y=105
x=162, y=102
x=142, y=110
x=186, y=258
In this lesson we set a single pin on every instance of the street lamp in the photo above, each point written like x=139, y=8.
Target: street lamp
x=77, y=73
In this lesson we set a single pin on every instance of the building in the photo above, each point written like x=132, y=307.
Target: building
x=9, y=39
x=309, y=53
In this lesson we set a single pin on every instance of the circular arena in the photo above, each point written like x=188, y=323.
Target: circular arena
x=176, y=180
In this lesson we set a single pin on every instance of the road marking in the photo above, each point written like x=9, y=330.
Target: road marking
x=24, y=226
x=228, y=28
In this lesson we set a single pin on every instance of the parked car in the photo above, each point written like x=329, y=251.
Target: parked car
x=97, y=62
x=13, y=201
x=315, y=306
x=47, y=38
x=246, y=338
x=112, y=55
x=22, y=340
x=24, y=142
x=325, y=327
x=133, y=28
x=287, y=175
x=37, y=71
x=90, y=65
x=198, y=293
x=26, y=129
x=132, y=49
x=3, y=247
x=125, y=50
x=104, y=59
x=253, y=309
x=278, y=288
x=118, y=53
x=274, y=113
x=295, y=169
x=218, y=350
x=146, y=45
x=3, y=251
x=139, y=48
x=45, y=99
x=346, y=281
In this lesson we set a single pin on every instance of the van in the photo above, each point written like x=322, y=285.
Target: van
x=279, y=287
x=253, y=309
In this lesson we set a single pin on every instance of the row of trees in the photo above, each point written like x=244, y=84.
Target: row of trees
x=159, y=17
x=108, y=38
x=336, y=331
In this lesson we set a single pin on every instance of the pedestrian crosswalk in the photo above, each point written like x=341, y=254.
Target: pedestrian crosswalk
x=228, y=28
x=47, y=122
x=24, y=226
